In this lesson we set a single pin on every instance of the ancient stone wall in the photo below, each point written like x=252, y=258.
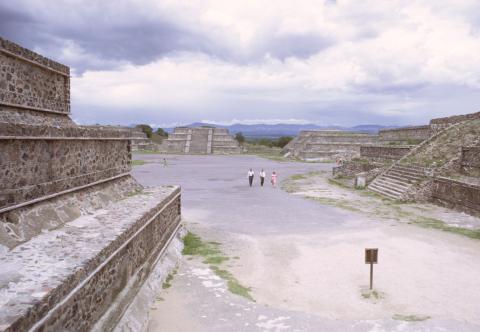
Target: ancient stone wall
x=28, y=80
x=352, y=168
x=327, y=144
x=84, y=292
x=42, y=151
x=439, y=124
x=33, y=168
x=414, y=133
x=456, y=194
x=140, y=141
x=77, y=232
x=24, y=223
x=384, y=152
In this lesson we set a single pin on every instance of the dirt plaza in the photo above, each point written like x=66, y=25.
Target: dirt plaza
x=296, y=260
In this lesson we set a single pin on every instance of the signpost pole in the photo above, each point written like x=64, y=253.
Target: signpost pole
x=371, y=257
x=371, y=276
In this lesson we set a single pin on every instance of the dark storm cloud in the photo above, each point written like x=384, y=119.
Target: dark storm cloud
x=105, y=34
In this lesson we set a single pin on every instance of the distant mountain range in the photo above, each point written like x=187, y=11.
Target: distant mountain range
x=278, y=130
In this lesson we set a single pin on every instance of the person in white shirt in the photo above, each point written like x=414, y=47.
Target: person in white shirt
x=250, y=175
x=262, y=177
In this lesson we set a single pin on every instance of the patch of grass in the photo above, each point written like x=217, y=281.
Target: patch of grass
x=168, y=280
x=215, y=260
x=340, y=203
x=135, y=192
x=194, y=246
x=297, y=177
x=339, y=183
x=373, y=294
x=304, y=176
x=438, y=224
x=410, y=318
x=232, y=283
x=147, y=152
x=138, y=162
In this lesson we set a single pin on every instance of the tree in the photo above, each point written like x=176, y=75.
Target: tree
x=240, y=138
x=146, y=129
x=284, y=140
x=161, y=132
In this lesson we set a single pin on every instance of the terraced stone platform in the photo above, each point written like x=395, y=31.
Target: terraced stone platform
x=68, y=277
x=200, y=141
x=327, y=144
x=397, y=181
x=78, y=234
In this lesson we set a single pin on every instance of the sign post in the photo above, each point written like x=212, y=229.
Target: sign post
x=371, y=257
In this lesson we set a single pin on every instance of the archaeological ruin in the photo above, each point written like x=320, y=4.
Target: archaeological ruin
x=200, y=140
x=324, y=145
x=140, y=142
x=438, y=162
x=78, y=234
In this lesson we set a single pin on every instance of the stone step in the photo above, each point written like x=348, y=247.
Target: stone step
x=399, y=178
x=389, y=187
x=386, y=191
x=84, y=260
x=411, y=167
x=400, y=174
x=387, y=182
x=380, y=191
x=407, y=170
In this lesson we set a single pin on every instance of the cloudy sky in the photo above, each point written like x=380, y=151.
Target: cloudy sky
x=341, y=62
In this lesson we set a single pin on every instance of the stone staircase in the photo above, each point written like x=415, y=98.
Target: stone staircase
x=199, y=142
x=395, y=182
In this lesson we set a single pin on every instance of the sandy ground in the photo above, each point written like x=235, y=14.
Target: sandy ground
x=304, y=260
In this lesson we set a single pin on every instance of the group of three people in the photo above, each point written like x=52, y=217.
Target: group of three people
x=262, y=174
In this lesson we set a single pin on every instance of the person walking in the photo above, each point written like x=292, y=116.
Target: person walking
x=250, y=175
x=164, y=162
x=262, y=177
x=274, y=179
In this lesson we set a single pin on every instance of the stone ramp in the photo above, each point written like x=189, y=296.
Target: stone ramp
x=397, y=181
x=67, y=278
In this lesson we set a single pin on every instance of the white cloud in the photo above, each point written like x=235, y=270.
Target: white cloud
x=379, y=55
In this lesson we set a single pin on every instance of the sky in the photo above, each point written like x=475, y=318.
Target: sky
x=172, y=62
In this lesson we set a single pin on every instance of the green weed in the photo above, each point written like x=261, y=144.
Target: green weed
x=438, y=224
x=410, y=318
x=138, y=162
x=210, y=251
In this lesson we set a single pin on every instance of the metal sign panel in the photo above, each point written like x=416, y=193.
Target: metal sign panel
x=371, y=255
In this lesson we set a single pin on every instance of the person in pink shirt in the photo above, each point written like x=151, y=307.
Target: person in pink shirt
x=274, y=179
